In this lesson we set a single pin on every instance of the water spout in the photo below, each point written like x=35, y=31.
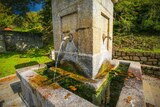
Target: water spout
x=56, y=63
x=70, y=37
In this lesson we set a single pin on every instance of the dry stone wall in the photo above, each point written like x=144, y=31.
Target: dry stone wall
x=19, y=41
x=151, y=70
x=146, y=58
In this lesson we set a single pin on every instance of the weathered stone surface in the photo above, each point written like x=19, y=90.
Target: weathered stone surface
x=131, y=58
x=133, y=88
x=90, y=22
x=139, y=54
x=146, y=54
x=47, y=96
x=152, y=60
x=2, y=44
x=126, y=58
x=19, y=41
x=123, y=53
x=120, y=58
x=135, y=58
x=118, y=54
x=154, y=63
x=157, y=55
x=131, y=53
x=157, y=73
x=152, y=55
x=143, y=58
x=148, y=63
x=151, y=90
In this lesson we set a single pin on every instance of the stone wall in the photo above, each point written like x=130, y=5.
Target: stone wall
x=19, y=41
x=151, y=70
x=146, y=58
x=2, y=44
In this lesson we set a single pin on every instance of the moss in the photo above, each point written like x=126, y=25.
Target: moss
x=105, y=68
x=71, y=75
x=76, y=83
x=41, y=81
x=117, y=78
x=69, y=81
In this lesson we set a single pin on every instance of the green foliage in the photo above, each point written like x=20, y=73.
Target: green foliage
x=20, y=6
x=25, y=21
x=136, y=16
x=140, y=43
x=46, y=18
x=6, y=18
x=31, y=22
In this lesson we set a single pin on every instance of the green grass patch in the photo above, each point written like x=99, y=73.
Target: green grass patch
x=137, y=43
x=11, y=60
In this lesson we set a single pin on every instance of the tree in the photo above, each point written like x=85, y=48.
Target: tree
x=46, y=14
x=137, y=16
x=6, y=18
x=20, y=7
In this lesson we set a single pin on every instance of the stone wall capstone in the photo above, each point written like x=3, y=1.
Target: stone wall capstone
x=20, y=41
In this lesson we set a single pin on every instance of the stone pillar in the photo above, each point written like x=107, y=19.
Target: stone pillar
x=89, y=25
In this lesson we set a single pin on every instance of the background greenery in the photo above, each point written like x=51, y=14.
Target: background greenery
x=137, y=16
x=137, y=25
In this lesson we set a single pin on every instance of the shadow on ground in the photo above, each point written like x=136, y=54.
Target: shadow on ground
x=16, y=87
x=26, y=64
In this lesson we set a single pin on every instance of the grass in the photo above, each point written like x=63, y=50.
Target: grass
x=137, y=43
x=11, y=60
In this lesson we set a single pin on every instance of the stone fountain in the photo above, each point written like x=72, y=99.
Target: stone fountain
x=83, y=32
x=90, y=22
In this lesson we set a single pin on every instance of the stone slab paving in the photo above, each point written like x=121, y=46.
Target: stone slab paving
x=9, y=92
x=151, y=88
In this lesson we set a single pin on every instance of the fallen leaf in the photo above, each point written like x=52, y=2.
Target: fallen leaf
x=130, y=74
x=73, y=88
x=68, y=94
x=138, y=78
x=129, y=98
x=126, y=79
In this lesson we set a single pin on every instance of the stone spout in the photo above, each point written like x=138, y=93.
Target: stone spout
x=68, y=37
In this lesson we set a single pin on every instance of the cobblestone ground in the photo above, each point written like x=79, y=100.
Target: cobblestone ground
x=10, y=88
x=9, y=92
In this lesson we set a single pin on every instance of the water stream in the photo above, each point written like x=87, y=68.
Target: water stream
x=56, y=63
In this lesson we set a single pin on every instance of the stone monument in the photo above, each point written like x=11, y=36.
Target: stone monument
x=85, y=27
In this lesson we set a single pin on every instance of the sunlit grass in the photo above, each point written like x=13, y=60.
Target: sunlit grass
x=10, y=60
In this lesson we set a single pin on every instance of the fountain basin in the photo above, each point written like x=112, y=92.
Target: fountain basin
x=37, y=91
x=38, y=95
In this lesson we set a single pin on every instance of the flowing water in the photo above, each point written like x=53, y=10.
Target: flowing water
x=56, y=63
